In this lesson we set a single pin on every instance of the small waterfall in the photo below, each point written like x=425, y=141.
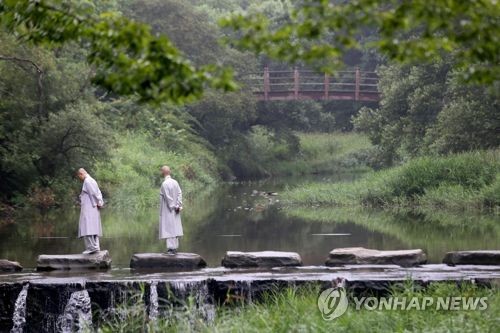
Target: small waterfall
x=248, y=284
x=205, y=308
x=19, y=317
x=198, y=290
x=153, y=300
x=180, y=286
x=77, y=314
x=119, y=294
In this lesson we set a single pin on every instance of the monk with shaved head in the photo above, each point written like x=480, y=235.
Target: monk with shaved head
x=90, y=218
x=170, y=211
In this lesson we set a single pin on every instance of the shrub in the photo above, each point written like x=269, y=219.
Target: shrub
x=468, y=170
x=456, y=181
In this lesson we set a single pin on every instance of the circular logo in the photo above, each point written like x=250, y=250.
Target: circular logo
x=332, y=303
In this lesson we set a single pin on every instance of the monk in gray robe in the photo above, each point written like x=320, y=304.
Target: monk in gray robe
x=170, y=211
x=90, y=218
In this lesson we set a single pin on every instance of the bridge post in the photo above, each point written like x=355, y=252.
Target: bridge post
x=266, y=83
x=326, y=86
x=296, y=83
x=358, y=82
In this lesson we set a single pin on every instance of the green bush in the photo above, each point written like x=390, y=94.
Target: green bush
x=491, y=193
x=470, y=171
x=467, y=180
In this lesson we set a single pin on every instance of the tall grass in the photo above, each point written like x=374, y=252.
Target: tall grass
x=131, y=178
x=325, y=152
x=296, y=310
x=462, y=181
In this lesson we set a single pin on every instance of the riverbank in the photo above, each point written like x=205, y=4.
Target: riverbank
x=468, y=181
x=130, y=179
x=278, y=312
x=322, y=153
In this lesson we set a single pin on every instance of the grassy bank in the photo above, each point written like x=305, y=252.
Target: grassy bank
x=296, y=310
x=323, y=153
x=457, y=182
x=131, y=178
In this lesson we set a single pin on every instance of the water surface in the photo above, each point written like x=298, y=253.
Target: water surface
x=251, y=217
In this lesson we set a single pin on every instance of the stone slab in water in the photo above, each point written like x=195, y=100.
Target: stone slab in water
x=167, y=262
x=10, y=266
x=236, y=259
x=95, y=261
x=360, y=255
x=472, y=258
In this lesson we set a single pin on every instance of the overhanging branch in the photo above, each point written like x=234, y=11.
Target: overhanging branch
x=17, y=59
x=39, y=72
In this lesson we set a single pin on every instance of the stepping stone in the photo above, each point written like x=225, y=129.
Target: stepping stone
x=360, y=255
x=472, y=258
x=99, y=260
x=167, y=262
x=236, y=259
x=7, y=266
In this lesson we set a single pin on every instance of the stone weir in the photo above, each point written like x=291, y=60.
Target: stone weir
x=62, y=301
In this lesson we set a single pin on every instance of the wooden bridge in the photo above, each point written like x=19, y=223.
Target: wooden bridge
x=305, y=84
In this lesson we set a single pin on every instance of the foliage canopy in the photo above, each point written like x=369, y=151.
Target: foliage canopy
x=129, y=59
x=321, y=31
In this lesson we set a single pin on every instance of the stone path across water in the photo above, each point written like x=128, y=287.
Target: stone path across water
x=431, y=272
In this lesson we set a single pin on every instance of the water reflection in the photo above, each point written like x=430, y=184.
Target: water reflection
x=250, y=217
x=434, y=231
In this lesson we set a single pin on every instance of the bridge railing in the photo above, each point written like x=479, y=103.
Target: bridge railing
x=298, y=84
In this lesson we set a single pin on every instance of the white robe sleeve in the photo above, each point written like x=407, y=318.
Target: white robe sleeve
x=166, y=191
x=94, y=192
x=179, y=196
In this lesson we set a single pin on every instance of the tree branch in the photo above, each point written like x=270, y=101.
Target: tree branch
x=39, y=77
x=12, y=58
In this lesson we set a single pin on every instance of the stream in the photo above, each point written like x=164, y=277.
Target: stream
x=251, y=216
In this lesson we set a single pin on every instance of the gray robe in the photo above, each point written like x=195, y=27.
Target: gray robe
x=90, y=218
x=170, y=198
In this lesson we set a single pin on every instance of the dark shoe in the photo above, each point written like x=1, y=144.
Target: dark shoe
x=171, y=251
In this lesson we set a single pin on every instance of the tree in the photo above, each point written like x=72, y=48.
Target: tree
x=321, y=31
x=49, y=117
x=469, y=121
x=425, y=109
x=129, y=59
